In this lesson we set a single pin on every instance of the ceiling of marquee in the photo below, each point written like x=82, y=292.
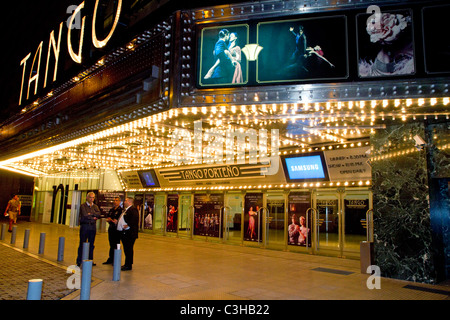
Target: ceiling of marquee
x=168, y=138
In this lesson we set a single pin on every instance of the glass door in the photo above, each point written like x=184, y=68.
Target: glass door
x=328, y=221
x=356, y=204
x=184, y=216
x=340, y=220
x=275, y=220
x=233, y=218
x=159, y=217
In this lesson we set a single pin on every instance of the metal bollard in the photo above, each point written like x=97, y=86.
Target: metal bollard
x=85, y=252
x=61, y=249
x=13, y=235
x=3, y=231
x=41, y=243
x=34, y=289
x=86, y=275
x=117, y=262
x=26, y=238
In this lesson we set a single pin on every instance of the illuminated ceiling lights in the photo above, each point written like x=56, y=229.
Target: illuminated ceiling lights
x=303, y=127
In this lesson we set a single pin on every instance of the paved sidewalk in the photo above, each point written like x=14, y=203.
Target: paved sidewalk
x=167, y=268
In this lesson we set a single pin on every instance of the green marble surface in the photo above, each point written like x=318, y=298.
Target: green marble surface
x=402, y=232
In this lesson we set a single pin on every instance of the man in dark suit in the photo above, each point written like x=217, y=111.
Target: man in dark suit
x=89, y=213
x=128, y=226
x=221, y=71
x=113, y=235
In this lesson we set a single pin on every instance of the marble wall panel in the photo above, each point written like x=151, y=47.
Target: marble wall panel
x=402, y=232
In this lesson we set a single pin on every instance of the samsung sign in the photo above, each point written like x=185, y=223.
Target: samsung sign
x=305, y=167
x=309, y=167
x=330, y=165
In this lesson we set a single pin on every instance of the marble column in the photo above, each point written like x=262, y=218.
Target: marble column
x=402, y=227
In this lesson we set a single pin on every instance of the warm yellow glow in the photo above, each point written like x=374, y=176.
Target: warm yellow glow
x=35, y=78
x=101, y=43
x=76, y=56
x=56, y=48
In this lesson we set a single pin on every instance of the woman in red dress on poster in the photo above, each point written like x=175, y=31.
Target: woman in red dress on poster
x=251, y=223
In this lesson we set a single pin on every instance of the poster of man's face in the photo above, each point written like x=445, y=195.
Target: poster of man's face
x=385, y=44
x=302, y=49
x=221, y=60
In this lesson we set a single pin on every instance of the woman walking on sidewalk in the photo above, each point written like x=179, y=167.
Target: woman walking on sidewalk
x=13, y=210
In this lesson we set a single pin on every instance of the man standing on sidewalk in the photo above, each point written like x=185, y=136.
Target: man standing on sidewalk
x=89, y=213
x=113, y=235
x=128, y=226
x=13, y=210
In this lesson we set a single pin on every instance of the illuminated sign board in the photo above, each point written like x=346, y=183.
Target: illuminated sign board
x=330, y=165
x=30, y=75
x=310, y=167
x=148, y=179
x=348, y=164
x=131, y=179
x=279, y=51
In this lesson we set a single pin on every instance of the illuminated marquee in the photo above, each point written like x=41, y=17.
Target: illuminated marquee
x=55, y=46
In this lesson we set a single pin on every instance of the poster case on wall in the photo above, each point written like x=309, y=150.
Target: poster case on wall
x=300, y=222
x=207, y=217
x=253, y=202
x=172, y=213
x=302, y=50
x=385, y=44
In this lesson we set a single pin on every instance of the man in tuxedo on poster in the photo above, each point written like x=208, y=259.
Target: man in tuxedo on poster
x=128, y=227
x=221, y=71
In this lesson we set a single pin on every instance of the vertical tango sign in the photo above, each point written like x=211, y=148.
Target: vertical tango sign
x=73, y=22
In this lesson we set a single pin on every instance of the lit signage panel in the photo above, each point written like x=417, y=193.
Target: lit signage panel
x=386, y=44
x=280, y=51
x=148, y=179
x=302, y=50
x=310, y=167
x=222, y=60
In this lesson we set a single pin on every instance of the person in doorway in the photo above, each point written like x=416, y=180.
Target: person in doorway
x=13, y=210
x=89, y=213
x=113, y=236
x=128, y=226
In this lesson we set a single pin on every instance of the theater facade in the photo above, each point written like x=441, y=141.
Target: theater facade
x=305, y=126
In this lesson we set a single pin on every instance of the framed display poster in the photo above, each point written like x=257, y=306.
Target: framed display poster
x=149, y=204
x=437, y=51
x=207, y=214
x=252, y=217
x=221, y=60
x=172, y=213
x=299, y=229
x=302, y=49
x=105, y=200
x=385, y=44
